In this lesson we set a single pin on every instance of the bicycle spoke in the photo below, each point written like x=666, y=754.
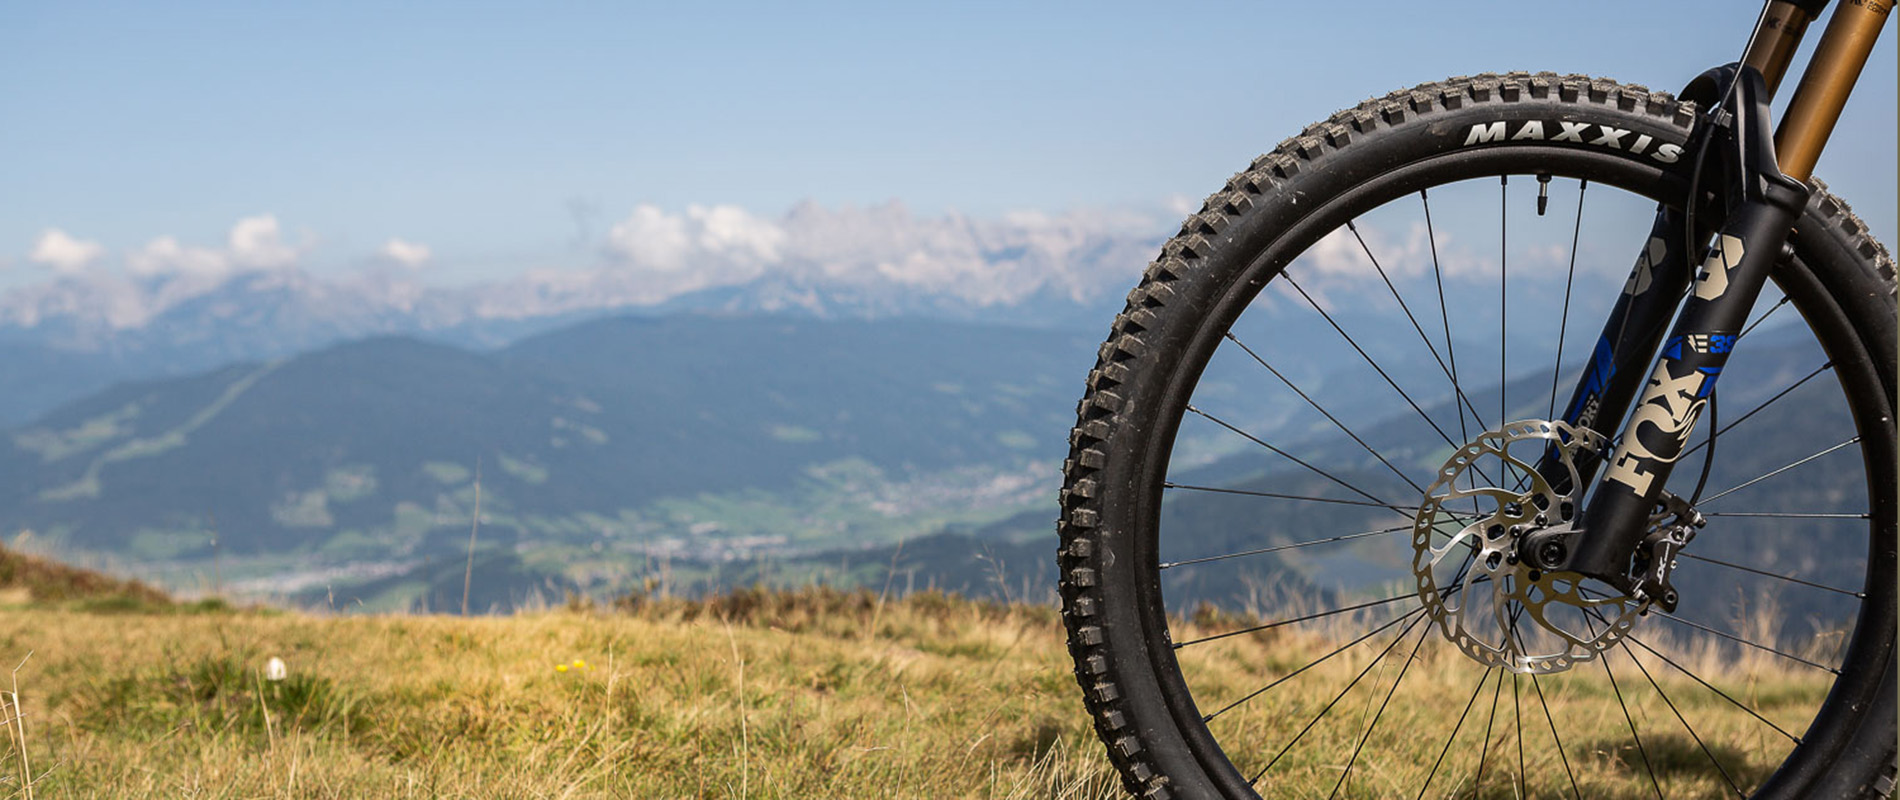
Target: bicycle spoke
x=1335, y=701
x=1374, y=724
x=1447, y=592
x=1563, y=322
x=1719, y=693
x=1684, y=670
x=1281, y=496
x=1517, y=724
x=1739, y=640
x=1648, y=766
x=1548, y=717
x=1317, y=407
x=1295, y=459
x=1314, y=663
x=1777, y=576
x=1737, y=488
x=1477, y=786
x=1789, y=514
x=1306, y=618
x=1763, y=318
x=1504, y=298
x=1764, y=404
x=1684, y=720
x=1461, y=403
x=1454, y=730
x=1278, y=548
x=1369, y=360
x=1444, y=314
x=1438, y=276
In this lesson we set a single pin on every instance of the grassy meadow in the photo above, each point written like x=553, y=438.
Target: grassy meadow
x=814, y=693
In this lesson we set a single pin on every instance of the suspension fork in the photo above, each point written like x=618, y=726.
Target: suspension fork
x=1661, y=275
x=1611, y=539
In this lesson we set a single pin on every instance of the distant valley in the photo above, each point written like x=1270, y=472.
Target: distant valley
x=602, y=447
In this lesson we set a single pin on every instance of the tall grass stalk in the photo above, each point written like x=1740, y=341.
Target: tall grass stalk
x=745, y=735
x=474, y=526
x=890, y=573
x=16, y=728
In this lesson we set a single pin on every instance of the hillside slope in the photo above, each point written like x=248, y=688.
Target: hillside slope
x=751, y=694
x=30, y=579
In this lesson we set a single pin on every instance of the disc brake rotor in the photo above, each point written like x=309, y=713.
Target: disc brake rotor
x=1497, y=609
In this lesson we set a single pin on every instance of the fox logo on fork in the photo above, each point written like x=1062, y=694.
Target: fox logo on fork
x=1665, y=417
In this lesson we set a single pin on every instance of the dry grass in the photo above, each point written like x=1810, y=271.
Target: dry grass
x=772, y=694
x=944, y=699
x=1422, y=687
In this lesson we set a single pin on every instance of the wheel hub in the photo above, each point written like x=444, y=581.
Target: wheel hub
x=1488, y=600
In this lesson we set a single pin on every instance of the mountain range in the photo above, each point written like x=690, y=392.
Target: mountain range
x=300, y=437
x=171, y=309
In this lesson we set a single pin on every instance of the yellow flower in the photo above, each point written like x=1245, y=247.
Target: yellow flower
x=560, y=667
x=579, y=664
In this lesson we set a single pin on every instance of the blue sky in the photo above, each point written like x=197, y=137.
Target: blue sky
x=509, y=136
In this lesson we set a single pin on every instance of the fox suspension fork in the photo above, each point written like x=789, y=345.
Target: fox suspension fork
x=1612, y=539
x=1762, y=181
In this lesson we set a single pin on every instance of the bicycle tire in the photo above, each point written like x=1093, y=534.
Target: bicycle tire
x=1120, y=632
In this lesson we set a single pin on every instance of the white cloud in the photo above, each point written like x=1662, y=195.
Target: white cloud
x=731, y=231
x=408, y=254
x=157, y=276
x=651, y=239
x=656, y=254
x=254, y=244
x=717, y=243
x=878, y=257
x=1336, y=253
x=257, y=242
x=165, y=256
x=1403, y=253
x=65, y=254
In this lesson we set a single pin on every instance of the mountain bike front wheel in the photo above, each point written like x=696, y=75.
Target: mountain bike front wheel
x=1317, y=385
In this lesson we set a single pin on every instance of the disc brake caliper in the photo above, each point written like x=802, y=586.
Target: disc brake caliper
x=1670, y=529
